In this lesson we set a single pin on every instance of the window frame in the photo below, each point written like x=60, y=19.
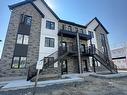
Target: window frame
x=24, y=19
x=63, y=27
x=48, y=60
x=91, y=34
x=81, y=31
x=25, y=42
x=19, y=62
x=69, y=28
x=23, y=39
x=50, y=25
x=17, y=39
x=48, y=40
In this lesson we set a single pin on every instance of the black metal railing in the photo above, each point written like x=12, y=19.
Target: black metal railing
x=32, y=71
x=103, y=58
x=64, y=51
x=47, y=62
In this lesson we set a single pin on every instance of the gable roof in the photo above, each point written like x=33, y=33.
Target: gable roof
x=99, y=24
x=31, y=1
x=11, y=7
x=50, y=10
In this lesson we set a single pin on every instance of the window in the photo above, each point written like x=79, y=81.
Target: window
x=50, y=25
x=19, y=39
x=19, y=62
x=63, y=26
x=76, y=29
x=15, y=63
x=49, y=61
x=91, y=34
x=69, y=28
x=26, y=19
x=26, y=38
x=49, y=42
x=23, y=62
x=22, y=39
x=102, y=38
x=81, y=31
x=84, y=32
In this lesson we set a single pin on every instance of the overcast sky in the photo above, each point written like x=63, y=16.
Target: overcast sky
x=112, y=14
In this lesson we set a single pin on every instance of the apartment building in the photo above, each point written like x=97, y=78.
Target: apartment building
x=36, y=33
x=119, y=57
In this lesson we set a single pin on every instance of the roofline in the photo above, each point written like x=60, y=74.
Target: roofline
x=72, y=23
x=50, y=10
x=99, y=24
x=11, y=7
x=31, y=1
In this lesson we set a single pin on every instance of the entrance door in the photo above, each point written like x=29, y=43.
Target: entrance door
x=64, y=67
x=85, y=66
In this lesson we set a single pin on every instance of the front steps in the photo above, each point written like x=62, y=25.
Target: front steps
x=47, y=77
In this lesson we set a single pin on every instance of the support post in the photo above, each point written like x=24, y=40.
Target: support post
x=93, y=63
x=35, y=86
x=60, y=51
x=79, y=55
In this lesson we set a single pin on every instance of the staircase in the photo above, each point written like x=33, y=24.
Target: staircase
x=103, y=59
x=48, y=62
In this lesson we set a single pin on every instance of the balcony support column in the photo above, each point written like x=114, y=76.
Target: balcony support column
x=93, y=63
x=79, y=55
x=59, y=52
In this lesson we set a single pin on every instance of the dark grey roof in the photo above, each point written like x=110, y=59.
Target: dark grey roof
x=11, y=7
x=20, y=3
x=50, y=9
x=72, y=23
x=99, y=24
x=64, y=21
x=31, y=1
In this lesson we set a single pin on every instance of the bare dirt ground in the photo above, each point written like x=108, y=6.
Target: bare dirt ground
x=95, y=86
x=90, y=86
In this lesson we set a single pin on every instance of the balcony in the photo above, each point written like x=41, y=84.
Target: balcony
x=72, y=50
x=24, y=29
x=72, y=34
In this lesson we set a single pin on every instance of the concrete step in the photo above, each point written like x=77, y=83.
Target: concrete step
x=47, y=77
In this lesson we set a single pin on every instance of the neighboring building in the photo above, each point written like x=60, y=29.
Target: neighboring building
x=35, y=33
x=119, y=57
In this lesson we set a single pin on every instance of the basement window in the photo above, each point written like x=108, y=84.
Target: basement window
x=18, y=62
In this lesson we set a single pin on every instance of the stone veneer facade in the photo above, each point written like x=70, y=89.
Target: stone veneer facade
x=33, y=44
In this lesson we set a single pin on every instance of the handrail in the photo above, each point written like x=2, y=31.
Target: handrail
x=108, y=62
x=32, y=68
